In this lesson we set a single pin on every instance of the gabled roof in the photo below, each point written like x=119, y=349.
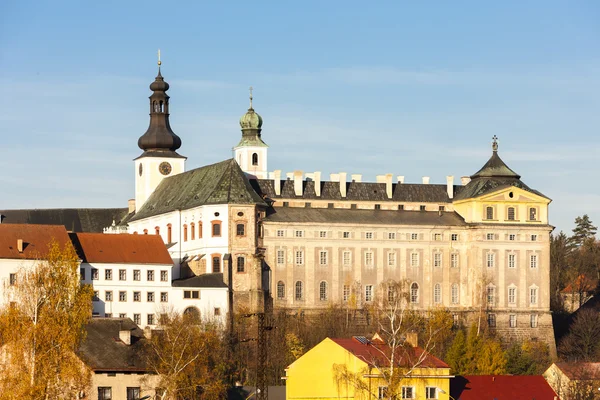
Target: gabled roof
x=213, y=280
x=73, y=219
x=501, y=387
x=220, y=183
x=376, y=217
x=121, y=248
x=36, y=239
x=580, y=371
x=102, y=350
x=377, y=354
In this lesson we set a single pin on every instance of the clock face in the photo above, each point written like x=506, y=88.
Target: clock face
x=164, y=168
x=141, y=169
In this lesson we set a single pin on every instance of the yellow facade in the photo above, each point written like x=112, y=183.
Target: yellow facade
x=317, y=375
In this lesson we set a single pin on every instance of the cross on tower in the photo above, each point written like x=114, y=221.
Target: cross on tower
x=251, y=96
x=495, y=143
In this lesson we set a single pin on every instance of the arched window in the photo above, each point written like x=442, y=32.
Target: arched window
x=299, y=294
x=161, y=106
x=157, y=230
x=414, y=293
x=154, y=106
x=511, y=214
x=254, y=159
x=185, y=233
x=216, y=263
x=437, y=293
x=193, y=231
x=323, y=291
x=169, y=233
x=145, y=231
x=280, y=290
x=199, y=230
x=489, y=212
x=193, y=313
x=240, y=229
x=241, y=261
x=454, y=293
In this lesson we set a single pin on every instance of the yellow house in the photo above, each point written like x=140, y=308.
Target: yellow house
x=352, y=369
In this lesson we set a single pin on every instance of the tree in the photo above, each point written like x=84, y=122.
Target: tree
x=455, y=357
x=583, y=230
x=560, y=253
x=491, y=360
x=42, y=327
x=582, y=343
x=187, y=355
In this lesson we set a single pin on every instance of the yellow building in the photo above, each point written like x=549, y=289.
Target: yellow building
x=352, y=369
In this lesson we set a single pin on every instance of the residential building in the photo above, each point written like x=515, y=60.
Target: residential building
x=574, y=380
x=501, y=387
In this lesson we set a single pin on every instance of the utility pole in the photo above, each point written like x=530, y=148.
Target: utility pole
x=262, y=389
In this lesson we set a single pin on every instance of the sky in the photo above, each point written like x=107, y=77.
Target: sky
x=409, y=88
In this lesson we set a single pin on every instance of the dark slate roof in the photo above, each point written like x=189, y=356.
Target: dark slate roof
x=73, y=219
x=102, y=350
x=357, y=191
x=375, y=217
x=214, y=280
x=220, y=183
x=495, y=167
x=483, y=185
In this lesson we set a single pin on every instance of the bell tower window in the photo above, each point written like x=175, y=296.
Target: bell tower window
x=254, y=159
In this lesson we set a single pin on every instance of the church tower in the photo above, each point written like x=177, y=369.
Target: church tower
x=251, y=151
x=159, y=159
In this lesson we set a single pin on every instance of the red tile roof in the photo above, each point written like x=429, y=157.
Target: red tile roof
x=377, y=353
x=501, y=387
x=121, y=248
x=580, y=371
x=585, y=283
x=36, y=239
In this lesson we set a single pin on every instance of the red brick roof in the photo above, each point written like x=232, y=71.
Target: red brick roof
x=501, y=387
x=36, y=239
x=378, y=353
x=121, y=248
x=580, y=371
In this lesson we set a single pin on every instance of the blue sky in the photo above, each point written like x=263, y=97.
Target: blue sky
x=409, y=88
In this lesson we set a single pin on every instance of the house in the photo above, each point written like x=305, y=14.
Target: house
x=578, y=292
x=574, y=380
x=501, y=387
x=352, y=369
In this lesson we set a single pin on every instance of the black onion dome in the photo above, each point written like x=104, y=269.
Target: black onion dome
x=159, y=84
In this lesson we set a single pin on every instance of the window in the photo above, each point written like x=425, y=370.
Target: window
x=136, y=275
x=216, y=228
x=414, y=293
x=533, y=261
x=437, y=237
x=169, y=233
x=512, y=260
x=491, y=295
x=187, y=294
x=368, y=235
x=512, y=237
x=400, y=207
x=437, y=293
x=511, y=214
x=431, y=392
x=414, y=259
x=323, y=257
x=150, y=297
x=280, y=290
x=164, y=276
x=408, y=392
x=299, y=257
x=532, y=214
x=534, y=238
x=191, y=294
x=455, y=320
x=280, y=232
x=299, y=294
x=254, y=159
x=454, y=237
x=108, y=274
x=346, y=235
x=216, y=263
x=122, y=275
x=137, y=318
x=137, y=296
x=454, y=293
x=378, y=206
x=122, y=315
x=422, y=207
x=12, y=280
x=346, y=258
x=150, y=319
x=454, y=260
x=533, y=320
x=217, y=311
x=286, y=203
x=108, y=315
x=346, y=292
x=442, y=208
x=512, y=295
x=108, y=295
x=150, y=275
x=368, y=258
x=533, y=295
x=185, y=232
x=164, y=297
x=323, y=291
x=122, y=296
x=391, y=235
x=368, y=292
x=391, y=293
x=280, y=257
x=491, y=260
x=241, y=264
x=199, y=230
x=382, y=392
x=490, y=236
x=104, y=393
x=489, y=213
x=240, y=229
x=299, y=234
x=437, y=259
x=193, y=231
x=491, y=320
x=96, y=295
x=322, y=234
x=512, y=321
x=81, y=275
x=391, y=259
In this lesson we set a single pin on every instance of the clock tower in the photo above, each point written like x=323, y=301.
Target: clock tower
x=159, y=159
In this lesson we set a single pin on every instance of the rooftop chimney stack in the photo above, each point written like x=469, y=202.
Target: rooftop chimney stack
x=125, y=336
x=343, y=178
x=464, y=180
x=425, y=180
x=277, y=181
x=450, y=186
x=388, y=186
x=412, y=338
x=20, y=245
x=356, y=177
x=298, y=183
x=131, y=205
x=400, y=179
x=317, y=180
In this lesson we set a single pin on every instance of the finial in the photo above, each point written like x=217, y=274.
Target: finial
x=251, y=97
x=159, y=63
x=495, y=143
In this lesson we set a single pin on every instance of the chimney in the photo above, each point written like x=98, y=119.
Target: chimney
x=125, y=336
x=334, y=177
x=298, y=183
x=277, y=181
x=131, y=205
x=425, y=180
x=464, y=180
x=400, y=179
x=317, y=180
x=20, y=245
x=412, y=338
x=148, y=333
x=356, y=177
x=388, y=185
x=289, y=175
x=343, y=178
x=450, y=186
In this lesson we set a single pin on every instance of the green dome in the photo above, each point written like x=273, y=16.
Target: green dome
x=251, y=120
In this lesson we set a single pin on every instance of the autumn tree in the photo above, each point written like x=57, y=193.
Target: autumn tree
x=42, y=327
x=560, y=254
x=527, y=358
x=477, y=354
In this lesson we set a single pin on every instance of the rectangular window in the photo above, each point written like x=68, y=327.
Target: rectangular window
x=108, y=274
x=137, y=318
x=280, y=290
x=369, y=293
x=322, y=234
x=299, y=257
x=414, y=236
x=136, y=275
x=400, y=207
x=217, y=311
x=442, y=208
x=150, y=297
x=512, y=295
x=512, y=321
x=122, y=275
x=150, y=320
x=437, y=259
x=511, y=213
x=431, y=392
x=323, y=257
x=533, y=261
x=391, y=259
x=491, y=260
x=122, y=315
x=512, y=237
x=280, y=233
x=108, y=295
x=346, y=258
x=150, y=275
x=533, y=295
x=187, y=294
x=280, y=257
x=534, y=238
x=414, y=259
x=164, y=276
x=346, y=293
x=437, y=237
x=408, y=392
x=216, y=263
x=346, y=235
x=489, y=212
x=104, y=393
x=491, y=295
x=454, y=260
x=241, y=264
x=94, y=274
x=533, y=320
x=216, y=229
x=391, y=235
x=368, y=258
x=81, y=274
x=532, y=214
x=137, y=296
x=490, y=236
x=12, y=279
x=378, y=206
x=195, y=294
x=368, y=235
x=382, y=392
x=96, y=295
x=108, y=315
x=422, y=207
x=299, y=234
x=240, y=229
x=454, y=237
x=164, y=297
x=512, y=260
x=491, y=319
x=454, y=293
x=122, y=296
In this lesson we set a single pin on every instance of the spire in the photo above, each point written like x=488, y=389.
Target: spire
x=495, y=167
x=159, y=137
x=251, y=124
x=495, y=143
